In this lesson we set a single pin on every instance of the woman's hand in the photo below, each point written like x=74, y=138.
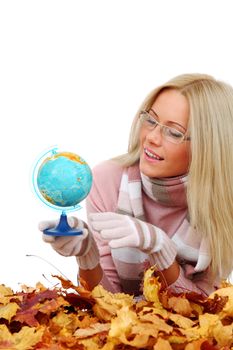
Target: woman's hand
x=83, y=246
x=125, y=231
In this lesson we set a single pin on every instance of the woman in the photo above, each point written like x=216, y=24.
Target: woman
x=167, y=202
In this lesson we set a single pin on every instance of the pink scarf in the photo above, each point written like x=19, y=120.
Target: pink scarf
x=170, y=192
x=167, y=191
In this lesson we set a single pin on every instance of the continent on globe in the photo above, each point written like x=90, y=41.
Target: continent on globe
x=64, y=179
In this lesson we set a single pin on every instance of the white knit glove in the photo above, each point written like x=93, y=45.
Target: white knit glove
x=125, y=231
x=83, y=246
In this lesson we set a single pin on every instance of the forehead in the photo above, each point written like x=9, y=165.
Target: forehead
x=171, y=106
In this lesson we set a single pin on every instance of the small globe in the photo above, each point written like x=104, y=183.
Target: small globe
x=64, y=179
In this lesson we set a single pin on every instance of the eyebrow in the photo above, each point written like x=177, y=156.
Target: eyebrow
x=172, y=122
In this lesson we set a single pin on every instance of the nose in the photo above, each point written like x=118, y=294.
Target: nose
x=155, y=135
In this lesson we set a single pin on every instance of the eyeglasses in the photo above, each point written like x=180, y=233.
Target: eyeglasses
x=170, y=134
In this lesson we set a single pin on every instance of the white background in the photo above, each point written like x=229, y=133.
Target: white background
x=72, y=74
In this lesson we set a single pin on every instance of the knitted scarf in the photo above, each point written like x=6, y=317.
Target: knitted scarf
x=166, y=191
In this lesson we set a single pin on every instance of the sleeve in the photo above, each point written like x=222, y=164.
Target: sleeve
x=103, y=197
x=191, y=252
x=200, y=284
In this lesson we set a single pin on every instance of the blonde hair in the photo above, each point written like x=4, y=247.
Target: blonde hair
x=210, y=180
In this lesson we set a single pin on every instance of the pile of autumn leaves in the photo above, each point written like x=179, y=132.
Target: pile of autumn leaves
x=70, y=317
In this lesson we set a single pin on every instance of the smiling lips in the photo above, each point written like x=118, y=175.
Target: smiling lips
x=151, y=155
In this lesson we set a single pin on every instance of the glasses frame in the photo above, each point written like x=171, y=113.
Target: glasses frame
x=163, y=127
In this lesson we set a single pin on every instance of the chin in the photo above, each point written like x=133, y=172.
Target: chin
x=149, y=171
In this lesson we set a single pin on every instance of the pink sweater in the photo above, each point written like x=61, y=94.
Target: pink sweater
x=125, y=274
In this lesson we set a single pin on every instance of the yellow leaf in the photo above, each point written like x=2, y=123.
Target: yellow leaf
x=223, y=334
x=177, y=339
x=5, y=294
x=196, y=309
x=154, y=310
x=162, y=344
x=228, y=308
x=8, y=311
x=107, y=303
x=93, y=329
x=65, y=323
x=191, y=333
x=4, y=333
x=140, y=340
x=151, y=287
x=180, y=305
x=94, y=343
x=181, y=321
x=5, y=291
x=160, y=324
x=25, y=339
x=207, y=323
x=123, y=322
x=195, y=345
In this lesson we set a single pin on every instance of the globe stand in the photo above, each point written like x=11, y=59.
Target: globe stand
x=63, y=228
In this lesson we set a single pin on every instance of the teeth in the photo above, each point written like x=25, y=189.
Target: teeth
x=151, y=154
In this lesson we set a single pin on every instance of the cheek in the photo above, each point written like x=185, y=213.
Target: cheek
x=182, y=159
x=142, y=136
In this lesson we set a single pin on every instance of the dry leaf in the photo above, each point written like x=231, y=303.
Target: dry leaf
x=71, y=317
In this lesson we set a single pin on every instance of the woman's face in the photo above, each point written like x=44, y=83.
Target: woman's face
x=160, y=157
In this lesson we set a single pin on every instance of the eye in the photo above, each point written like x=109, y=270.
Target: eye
x=148, y=121
x=175, y=134
x=151, y=121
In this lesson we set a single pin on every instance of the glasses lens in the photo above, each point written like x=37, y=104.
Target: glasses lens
x=172, y=135
x=147, y=120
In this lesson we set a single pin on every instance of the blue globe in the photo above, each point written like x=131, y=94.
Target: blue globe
x=64, y=179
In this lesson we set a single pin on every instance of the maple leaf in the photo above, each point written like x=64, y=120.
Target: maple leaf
x=25, y=339
x=95, y=343
x=223, y=334
x=181, y=321
x=154, y=310
x=228, y=306
x=151, y=286
x=95, y=328
x=5, y=294
x=8, y=311
x=160, y=324
x=145, y=328
x=72, y=318
x=139, y=341
x=123, y=323
x=162, y=344
x=107, y=303
x=180, y=305
x=82, y=290
x=198, y=345
x=65, y=322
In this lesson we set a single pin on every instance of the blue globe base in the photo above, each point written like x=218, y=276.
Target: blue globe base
x=63, y=228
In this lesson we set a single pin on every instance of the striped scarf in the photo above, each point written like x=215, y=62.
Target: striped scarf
x=168, y=192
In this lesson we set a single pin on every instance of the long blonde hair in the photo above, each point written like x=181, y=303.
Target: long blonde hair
x=210, y=181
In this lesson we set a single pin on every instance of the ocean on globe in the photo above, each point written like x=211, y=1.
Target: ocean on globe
x=64, y=179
